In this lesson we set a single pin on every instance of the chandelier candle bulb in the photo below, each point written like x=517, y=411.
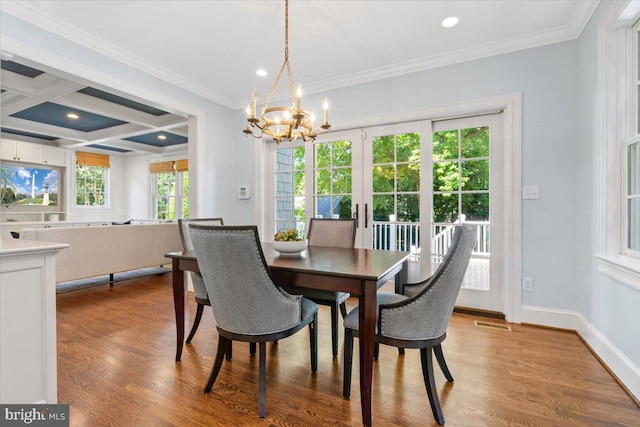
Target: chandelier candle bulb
x=253, y=104
x=299, y=93
x=326, y=114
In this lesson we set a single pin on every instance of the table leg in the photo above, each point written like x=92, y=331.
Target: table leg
x=178, y=304
x=367, y=338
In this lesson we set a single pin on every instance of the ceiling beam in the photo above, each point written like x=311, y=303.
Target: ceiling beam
x=43, y=129
x=57, y=88
x=99, y=106
x=126, y=130
x=135, y=146
x=14, y=82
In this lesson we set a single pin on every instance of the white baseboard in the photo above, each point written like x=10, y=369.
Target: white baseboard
x=626, y=371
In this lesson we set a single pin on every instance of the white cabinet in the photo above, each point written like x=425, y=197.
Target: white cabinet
x=28, y=321
x=55, y=156
x=26, y=152
x=7, y=150
x=22, y=152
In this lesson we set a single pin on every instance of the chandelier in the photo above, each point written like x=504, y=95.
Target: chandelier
x=284, y=123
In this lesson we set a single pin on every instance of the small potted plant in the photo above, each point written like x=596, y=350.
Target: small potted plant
x=289, y=243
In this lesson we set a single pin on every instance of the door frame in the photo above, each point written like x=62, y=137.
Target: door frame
x=511, y=107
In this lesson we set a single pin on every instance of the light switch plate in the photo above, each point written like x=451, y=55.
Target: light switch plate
x=530, y=192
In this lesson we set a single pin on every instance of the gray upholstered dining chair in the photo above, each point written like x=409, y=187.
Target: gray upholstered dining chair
x=336, y=233
x=419, y=321
x=248, y=306
x=202, y=297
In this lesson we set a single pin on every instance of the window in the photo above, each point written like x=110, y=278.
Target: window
x=632, y=153
x=92, y=179
x=619, y=145
x=290, y=189
x=170, y=182
x=633, y=198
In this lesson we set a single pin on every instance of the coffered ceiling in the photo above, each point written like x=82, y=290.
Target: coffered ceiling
x=39, y=106
x=213, y=48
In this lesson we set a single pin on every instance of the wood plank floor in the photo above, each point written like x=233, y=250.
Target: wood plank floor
x=116, y=367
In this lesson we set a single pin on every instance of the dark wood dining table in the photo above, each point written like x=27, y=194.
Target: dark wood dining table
x=357, y=271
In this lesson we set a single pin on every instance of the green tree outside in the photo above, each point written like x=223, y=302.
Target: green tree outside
x=90, y=185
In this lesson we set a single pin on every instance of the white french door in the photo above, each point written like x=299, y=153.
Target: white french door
x=407, y=184
x=467, y=185
x=395, y=175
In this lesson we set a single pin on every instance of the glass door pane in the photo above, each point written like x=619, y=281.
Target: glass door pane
x=332, y=196
x=461, y=194
x=395, y=190
x=290, y=189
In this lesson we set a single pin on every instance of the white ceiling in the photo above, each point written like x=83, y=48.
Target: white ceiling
x=214, y=47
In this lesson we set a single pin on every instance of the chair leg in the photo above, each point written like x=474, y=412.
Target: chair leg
x=429, y=382
x=343, y=309
x=223, y=346
x=313, y=342
x=334, y=329
x=376, y=351
x=252, y=348
x=230, y=350
x=443, y=364
x=348, y=362
x=196, y=322
x=262, y=375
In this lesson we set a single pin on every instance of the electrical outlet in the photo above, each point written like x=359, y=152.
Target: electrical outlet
x=527, y=284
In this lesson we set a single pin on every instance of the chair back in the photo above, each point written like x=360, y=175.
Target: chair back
x=184, y=229
x=339, y=233
x=427, y=314
x=246, y=300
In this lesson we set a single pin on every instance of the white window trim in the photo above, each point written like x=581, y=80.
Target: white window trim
x=614, y=123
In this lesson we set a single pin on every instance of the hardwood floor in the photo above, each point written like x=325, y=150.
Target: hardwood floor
x=116, y=348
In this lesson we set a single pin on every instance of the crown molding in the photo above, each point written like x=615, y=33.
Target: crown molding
x=569, y=32
x=29, y=14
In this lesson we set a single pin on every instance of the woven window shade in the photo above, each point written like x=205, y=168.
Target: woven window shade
x=92, y=159
x=161, y=167
x=182, y=165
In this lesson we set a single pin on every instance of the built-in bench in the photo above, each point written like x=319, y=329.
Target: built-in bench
x=109, y=249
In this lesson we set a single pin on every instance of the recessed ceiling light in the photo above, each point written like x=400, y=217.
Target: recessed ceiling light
x=73, y=116
x=261, y=72
x=449, y=22
x=162, y=137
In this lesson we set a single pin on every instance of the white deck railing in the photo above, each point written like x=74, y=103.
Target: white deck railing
x=405, y=236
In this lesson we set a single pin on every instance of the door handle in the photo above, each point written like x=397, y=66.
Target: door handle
x=366, y=215
x=356, y=215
